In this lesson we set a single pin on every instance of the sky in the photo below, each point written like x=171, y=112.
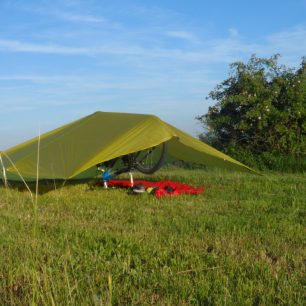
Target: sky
x=61, y=60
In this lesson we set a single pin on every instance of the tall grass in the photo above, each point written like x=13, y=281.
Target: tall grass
x=241, y=242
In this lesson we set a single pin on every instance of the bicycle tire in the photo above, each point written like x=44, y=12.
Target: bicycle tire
x=139, y=162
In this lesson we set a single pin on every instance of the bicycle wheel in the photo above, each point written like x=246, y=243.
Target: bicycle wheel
x=150, y=160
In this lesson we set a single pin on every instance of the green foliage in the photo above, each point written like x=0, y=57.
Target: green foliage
x=261, y=107
x=239, y=243
x=268, y=160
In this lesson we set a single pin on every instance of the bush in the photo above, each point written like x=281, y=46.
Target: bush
x=260, y=116
x=269, y=161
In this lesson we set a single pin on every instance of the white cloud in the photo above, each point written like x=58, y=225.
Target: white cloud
x=153, y=80
x=31, y=78
x=71, y=13
x=78, y=17
x=219, y=50
x=289, y=41
x=7, y=45
x=233, y=32
x=224, y=50
x=19, y=46
x=184, y=35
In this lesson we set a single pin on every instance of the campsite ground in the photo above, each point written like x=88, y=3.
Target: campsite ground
x=241, y=242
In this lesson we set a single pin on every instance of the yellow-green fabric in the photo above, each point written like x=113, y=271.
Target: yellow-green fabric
x=76, y=147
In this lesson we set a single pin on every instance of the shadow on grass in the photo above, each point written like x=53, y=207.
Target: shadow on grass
x=45, y=186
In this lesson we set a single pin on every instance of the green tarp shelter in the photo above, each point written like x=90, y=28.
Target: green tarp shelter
x=70, y=150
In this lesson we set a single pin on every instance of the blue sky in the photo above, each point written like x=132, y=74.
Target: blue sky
x=64, y=59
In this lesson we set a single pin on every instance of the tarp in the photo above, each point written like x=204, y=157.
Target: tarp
x=70, y=150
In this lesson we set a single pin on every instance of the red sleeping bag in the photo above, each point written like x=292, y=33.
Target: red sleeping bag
x=160, y=188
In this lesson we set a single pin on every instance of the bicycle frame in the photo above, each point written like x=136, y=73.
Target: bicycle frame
x=134, y=161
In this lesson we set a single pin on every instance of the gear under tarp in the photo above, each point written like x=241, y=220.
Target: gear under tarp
x=73, y=149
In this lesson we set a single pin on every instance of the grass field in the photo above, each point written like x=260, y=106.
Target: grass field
x=242, y=242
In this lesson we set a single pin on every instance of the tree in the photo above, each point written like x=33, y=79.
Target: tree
x=261, y=107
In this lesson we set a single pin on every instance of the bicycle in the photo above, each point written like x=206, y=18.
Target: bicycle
x=146, y=161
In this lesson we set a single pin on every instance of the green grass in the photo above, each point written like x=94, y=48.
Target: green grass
x=242, y=242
